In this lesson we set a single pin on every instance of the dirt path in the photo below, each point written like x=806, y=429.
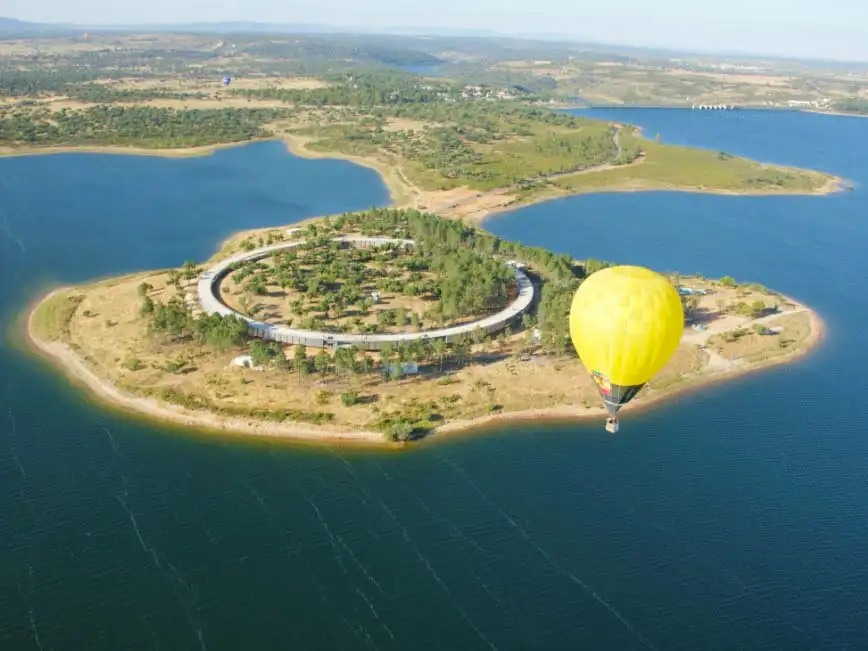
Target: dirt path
x=716, y=361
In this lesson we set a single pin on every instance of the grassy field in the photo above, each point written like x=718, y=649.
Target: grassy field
x=534, y=159
x=667, y=166
x=475, y=146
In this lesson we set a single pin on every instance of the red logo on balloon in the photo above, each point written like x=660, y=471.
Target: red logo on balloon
x=602, y=383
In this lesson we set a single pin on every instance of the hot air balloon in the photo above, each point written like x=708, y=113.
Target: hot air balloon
x=227, y=80
x=625, y=323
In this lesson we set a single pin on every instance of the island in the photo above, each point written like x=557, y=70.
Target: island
x=379, y=326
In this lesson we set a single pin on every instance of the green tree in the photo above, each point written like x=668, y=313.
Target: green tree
x=461, y=350
x=439, y=350
x=757, y=309
x=262, y=353
x=147, y=306
x=299, y=361
x=322, y=362
x=189, y=270
x=386, y=353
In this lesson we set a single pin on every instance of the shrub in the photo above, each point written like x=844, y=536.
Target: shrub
x=349, y=398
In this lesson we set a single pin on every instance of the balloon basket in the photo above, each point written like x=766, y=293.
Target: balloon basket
x=612, y=425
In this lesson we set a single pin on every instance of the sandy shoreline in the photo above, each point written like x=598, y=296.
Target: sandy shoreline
x=75, y=368
x=179, y=152
x=573, y=413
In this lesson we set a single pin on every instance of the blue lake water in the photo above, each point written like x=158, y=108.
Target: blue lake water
x=735, y=518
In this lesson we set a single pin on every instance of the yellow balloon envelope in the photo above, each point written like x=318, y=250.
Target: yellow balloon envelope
x=625, y=323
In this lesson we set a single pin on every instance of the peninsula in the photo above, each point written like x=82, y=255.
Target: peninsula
x=384, y=325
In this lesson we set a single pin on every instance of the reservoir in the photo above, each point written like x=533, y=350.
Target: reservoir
x=731, y=518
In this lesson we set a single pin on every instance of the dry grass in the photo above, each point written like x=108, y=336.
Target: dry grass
x=752, y=346
x=758, y=79
x=107, y=331
x=406, y=124
x=197, y=85
x=218, y=102
x=460, y=203
x=50, y=320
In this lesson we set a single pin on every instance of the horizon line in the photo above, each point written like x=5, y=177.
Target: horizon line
x=325, y=29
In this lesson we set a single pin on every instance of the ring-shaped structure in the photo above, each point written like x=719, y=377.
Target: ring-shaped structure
x=208, y=290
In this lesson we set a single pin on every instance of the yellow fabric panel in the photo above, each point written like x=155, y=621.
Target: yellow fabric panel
x=626, y=323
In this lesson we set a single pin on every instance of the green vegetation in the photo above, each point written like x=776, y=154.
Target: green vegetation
x=467, y=278
x=753, y=310
x=438, y=133
x=184, y=359
x=412, y=422
x=143, y=126
x=361, y=88
x=558, y=274
x=682, y=167
x=450, y=241
x=563, y=70
x=175, y=320
x=852, y=105
x=336, y=288
x=483, y=145
x=78, y=85
x=37, y=83
x=199, y=403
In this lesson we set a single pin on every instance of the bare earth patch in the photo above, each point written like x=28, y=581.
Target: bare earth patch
x=199, y=85
x=406, y=124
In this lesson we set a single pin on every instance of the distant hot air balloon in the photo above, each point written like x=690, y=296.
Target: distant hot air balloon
x=227, y=80
x=625, y=323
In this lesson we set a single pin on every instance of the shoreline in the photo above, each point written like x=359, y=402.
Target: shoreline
x=157, y=152
x=75, y=368
x=403, y=194
x=833, y=185
x=402, y=191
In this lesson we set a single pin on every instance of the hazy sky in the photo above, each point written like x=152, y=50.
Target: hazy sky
x=826, y=28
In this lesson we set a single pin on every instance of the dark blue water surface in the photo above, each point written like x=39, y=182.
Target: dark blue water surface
x=736, y=518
